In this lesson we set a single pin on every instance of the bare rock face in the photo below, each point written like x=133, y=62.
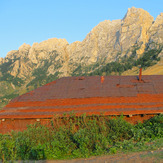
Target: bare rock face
x=156, y=34
x=156, y=30
x=101, y=42
x=44, y=49
x=158, y=23
x=134, y=29
x=12, y=54
x=15, y=70
x=24, y=49
x=25, y=70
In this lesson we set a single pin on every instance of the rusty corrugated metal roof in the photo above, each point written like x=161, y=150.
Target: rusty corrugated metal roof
x=113, y=95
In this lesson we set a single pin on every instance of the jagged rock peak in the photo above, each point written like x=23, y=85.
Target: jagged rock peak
x=160, y=16
x=43, y=49
x=24, y=48
x=159, y=19
x=136, y=24
x=11, y=54
x=50, y=44
x=53, y=41
x=105, y=24
x=76, y=42
x=137, y=13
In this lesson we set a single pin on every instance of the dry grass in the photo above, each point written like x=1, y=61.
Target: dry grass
x=153, y=70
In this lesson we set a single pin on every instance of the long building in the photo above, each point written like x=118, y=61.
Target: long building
x=136, y=97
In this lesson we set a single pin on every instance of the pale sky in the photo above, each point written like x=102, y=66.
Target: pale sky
x=29, y=21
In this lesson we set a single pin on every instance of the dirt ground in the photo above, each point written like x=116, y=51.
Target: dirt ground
x=137, y=157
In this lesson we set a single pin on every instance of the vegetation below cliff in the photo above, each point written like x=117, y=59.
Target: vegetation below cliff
x=76, y=137
x=149, y=58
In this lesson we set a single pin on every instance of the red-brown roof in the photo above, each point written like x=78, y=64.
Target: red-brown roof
x=113, y=95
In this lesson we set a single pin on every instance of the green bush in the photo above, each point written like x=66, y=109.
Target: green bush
x=119, y=129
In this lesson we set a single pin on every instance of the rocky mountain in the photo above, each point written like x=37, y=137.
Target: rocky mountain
x=111, y=47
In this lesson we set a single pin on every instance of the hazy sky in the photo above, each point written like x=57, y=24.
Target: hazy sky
x=29, y=21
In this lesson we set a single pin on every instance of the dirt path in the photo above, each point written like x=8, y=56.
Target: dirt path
x=138, y=157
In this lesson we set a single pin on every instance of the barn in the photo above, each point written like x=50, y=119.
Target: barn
x=136, y=97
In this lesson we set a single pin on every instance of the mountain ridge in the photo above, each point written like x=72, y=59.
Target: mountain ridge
x=109, y=43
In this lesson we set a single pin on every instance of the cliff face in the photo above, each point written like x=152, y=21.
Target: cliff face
x=108, y=41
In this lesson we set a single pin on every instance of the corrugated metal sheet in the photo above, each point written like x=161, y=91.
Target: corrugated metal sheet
x=113, y=86
x=113, y=95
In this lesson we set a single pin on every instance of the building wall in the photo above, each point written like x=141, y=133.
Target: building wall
x=7, y=125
